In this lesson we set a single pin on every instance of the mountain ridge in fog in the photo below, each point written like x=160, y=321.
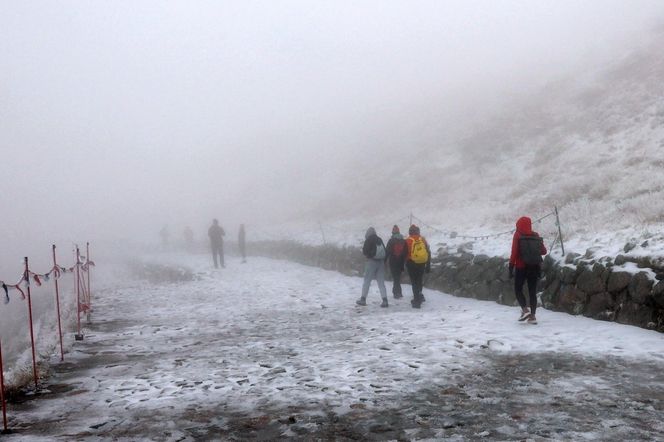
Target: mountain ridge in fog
x=592, y=144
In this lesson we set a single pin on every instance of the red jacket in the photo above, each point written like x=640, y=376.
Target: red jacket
x=524, y=226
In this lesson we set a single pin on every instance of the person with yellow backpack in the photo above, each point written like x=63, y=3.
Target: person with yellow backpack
x=418, y=262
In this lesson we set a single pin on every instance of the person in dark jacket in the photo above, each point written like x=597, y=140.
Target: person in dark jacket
x=396, y=258
x=216, y=234
x=522, y=271
x=241, y=241
x=374, y=250
x=418, y=262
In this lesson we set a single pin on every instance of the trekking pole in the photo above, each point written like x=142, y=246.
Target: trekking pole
x=2, y=395
x=560, y=233
x=411, y=219
x=57, y=304
x=32, y=333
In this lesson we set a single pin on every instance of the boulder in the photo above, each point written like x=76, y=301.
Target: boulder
x=618, y=281
x=635, y=314
x=658, y=293
x=590, y=280
x=640, y=287
x=572, y=300
x=600, y=306
x=568, y=274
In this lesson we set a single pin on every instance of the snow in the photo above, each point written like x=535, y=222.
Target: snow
x=272, y=334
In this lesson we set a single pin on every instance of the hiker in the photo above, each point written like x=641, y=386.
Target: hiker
x=526, y=266
x=374, y=250
x=396, y=258
x=418, y=262
x=241, y=241
x=216, y=234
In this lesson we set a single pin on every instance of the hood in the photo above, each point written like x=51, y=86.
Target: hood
x=370, y=232
x=524, y=225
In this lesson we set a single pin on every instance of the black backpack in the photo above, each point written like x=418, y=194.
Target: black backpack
x=530, y=250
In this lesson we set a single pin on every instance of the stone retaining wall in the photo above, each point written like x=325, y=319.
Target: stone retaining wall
x=597, y=288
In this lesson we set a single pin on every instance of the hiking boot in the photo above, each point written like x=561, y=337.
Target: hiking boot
x=415, y=304
x=531, y=319
x=525, y=314
x=398, y=296
x=384, y=303
x=361, y=301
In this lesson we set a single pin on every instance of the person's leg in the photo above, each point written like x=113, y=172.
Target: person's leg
x=419, y=277
x=214, y=256
x=380, y=278
x=221, y=254
x=532, y=276
x=519, y=280
x=369, y=273
x=395, y=269
x=410, y=267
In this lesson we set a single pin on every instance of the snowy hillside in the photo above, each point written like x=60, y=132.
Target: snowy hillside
x=592, y=144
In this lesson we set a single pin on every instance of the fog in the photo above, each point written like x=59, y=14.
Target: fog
x=117, y=118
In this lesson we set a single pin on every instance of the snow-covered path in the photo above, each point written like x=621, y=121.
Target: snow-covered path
x=272, y=349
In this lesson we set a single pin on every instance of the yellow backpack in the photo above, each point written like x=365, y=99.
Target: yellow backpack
x=419, y=254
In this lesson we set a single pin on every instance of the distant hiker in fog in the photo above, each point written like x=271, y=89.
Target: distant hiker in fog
x=526, y=266
x=216, y=234
x=241, y=241
x=396, y=257
x=374, y=250
x=418, y=262
x=188, y=236
x=165, y=236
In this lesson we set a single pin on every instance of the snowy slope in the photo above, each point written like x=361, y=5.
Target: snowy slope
x=592, y=144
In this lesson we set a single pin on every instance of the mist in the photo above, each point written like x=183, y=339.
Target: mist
x=117, y=118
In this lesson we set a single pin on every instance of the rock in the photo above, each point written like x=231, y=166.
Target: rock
x=629, y=247
x=600, y=306
x=478, y=259
x=572, y=300
x=658, y=293
x=590, y=281
x=635, y=314
x=568, y=275
x=571, y=257
x=620, y=260
x=644, y=244
x=618, y=281
x=640, y=287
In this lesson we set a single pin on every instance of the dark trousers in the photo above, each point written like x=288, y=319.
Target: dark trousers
x=243, y=252
x=218, y=250
x=530, y=275
x=396, y=268
x=416, y=274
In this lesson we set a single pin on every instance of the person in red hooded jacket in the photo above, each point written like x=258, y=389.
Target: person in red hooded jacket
x=525, y=266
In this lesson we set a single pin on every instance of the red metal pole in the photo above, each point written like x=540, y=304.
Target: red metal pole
x=32, y=333
x=2, y=393
x=57, y=304
x=79, y=335
x=87, y=251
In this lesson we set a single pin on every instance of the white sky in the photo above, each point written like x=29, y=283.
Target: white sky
x=119, y=117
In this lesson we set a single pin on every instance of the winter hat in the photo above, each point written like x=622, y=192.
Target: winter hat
x=395, y=229
x=414, y=230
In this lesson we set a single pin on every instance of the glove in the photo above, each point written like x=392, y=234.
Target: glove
x=511, y=270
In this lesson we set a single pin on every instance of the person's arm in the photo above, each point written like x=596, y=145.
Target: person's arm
x=428, y=267
x=514, y=253
x=388, y=248
x=543, y=250
x=366, y=248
